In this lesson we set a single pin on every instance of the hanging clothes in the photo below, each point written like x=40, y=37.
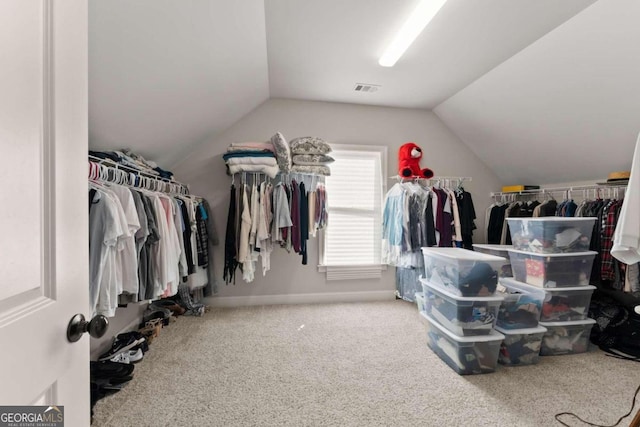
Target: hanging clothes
x=416, y=216
x=230, y=251
x=137, y=246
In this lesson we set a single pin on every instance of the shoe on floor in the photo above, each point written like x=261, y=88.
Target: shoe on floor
x=135, y=355
x=108, y=369
x=120, y=346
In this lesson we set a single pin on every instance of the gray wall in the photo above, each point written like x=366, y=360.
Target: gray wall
x=337, y=123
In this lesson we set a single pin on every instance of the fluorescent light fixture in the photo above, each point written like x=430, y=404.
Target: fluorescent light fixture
x=419, y=19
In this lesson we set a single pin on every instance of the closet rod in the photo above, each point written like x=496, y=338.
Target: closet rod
x=559, y=189
x=435, y=178
x=114, y=165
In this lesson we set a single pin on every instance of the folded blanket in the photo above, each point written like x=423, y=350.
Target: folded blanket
x=270, y=171
x=313, y=170
x=241, y=154
x=231, y=149
x=312, y=159
x=266, y=161
x=252, y=145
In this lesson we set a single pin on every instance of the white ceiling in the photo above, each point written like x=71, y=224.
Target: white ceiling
x=319, y=50
x=536, y=88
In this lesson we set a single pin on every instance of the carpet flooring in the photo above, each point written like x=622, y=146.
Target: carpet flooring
x=357, y=364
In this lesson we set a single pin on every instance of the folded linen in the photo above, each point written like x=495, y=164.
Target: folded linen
x=267, y=161
x=313, y=170
x=270, y=171
x=312, y=159
x=252, y=145
x=309, y=145
x=253, y=150
x=240, y=154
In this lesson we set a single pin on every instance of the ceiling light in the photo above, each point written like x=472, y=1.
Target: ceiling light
x=419, y=19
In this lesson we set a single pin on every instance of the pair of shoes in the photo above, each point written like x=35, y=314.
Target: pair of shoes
x=156, y=312
x=121, y=346
x=129, y=356
x=151, y=329
x=109, y=370
x=127, y=336
x=170, y=305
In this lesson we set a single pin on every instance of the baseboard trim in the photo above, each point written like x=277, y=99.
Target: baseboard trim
x=329, y=297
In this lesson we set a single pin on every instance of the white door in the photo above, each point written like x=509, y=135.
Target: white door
x=43, y=204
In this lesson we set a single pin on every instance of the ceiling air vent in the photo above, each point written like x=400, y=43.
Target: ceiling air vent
x=365, y=87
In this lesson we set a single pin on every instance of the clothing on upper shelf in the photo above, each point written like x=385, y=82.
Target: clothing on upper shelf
x=141, y=244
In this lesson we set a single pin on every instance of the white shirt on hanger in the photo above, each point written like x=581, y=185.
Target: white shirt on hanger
x=127, y=263
x=104, y=230
x=626, y=238
x=173, y=247
x=162, y=249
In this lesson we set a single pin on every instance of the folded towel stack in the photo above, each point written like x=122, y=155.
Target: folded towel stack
x=306, y=155
x=310, y=156
x=251, y=157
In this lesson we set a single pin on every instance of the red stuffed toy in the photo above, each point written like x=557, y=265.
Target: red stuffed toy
x=409, y=156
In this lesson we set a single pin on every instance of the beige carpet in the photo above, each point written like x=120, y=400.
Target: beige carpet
x=363, y=364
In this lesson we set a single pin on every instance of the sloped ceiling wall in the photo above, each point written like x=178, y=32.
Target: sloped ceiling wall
x=567, y=108
x=164, y=74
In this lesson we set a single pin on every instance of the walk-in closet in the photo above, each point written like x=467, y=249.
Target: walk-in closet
x=320, y=213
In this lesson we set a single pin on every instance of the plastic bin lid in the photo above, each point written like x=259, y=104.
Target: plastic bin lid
x=510, y=282
x=572, y=288
x=447, y=293
x=525, y=331
x=558, y=219
x=584, y=322
x=552, y=255
x=462, y=254
x=492, y=336
x=492, y=246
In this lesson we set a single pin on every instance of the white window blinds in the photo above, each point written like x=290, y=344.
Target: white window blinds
x=355, y=189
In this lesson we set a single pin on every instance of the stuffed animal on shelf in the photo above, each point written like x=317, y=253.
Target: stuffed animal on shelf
x=409, y=156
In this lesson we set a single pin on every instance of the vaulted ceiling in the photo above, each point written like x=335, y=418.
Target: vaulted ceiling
x=520, y=82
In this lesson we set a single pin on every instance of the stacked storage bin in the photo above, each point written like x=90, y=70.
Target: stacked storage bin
x=518, y=319
x=552, y=253
x=461, y=308
x=497, y=250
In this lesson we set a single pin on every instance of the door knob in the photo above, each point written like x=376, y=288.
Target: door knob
x=97, y=327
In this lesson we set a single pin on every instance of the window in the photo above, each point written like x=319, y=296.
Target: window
x=351, y=244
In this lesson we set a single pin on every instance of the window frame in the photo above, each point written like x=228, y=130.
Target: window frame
x=355, y=271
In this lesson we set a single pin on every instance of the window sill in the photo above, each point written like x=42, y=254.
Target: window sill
x=352, y=272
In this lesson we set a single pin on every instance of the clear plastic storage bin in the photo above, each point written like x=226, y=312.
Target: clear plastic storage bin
x=520, y=346
x=463, y=316
x=566, y=337
x=552, y=270
x=497, y=250
x=551, y=234
x=465, y=355
x=563, y=304
x=521, y=306
x=461, y=271
x=420, y=301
